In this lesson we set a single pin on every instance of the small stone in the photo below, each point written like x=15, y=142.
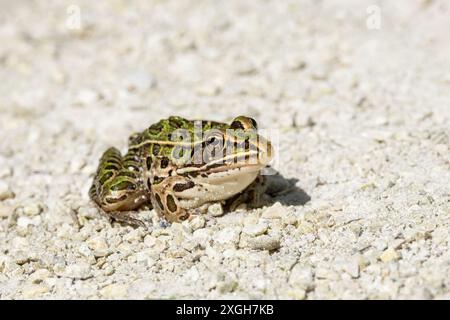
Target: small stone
x=255, y=229
x=176, y=252
x=159, y=246
x=197, y=223
x=227, y=284
x=264, y=242
x=142, y=289
x=352, y=268
x=389, y=255
x=114, y=291
x=274, y=212
x=108, y=270
x=5, y=172
x=84, y=250
x=144, y=258
x=99, y=246
x=202, y=236
x=81, y=270
x=189, y=245
x=39, y=275
x=325, y=273
x=229, y=235
x=149, y=240
x=5, y=192
x=301, y=277
x=32, y=209
x=289, y=219
x=34, y=291
x=134, y=235
x=297, y=294
x=6, y=210
x=65, y=231
x=23, y=222
x=216, y=210
x=192, y=274
x=178, y=229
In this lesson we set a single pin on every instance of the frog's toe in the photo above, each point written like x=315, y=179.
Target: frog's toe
x=128, y=218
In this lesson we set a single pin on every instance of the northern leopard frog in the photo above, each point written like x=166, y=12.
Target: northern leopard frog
x=180, y=167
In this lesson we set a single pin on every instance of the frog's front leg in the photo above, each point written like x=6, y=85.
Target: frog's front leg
x=165, y=200
x=117, y=189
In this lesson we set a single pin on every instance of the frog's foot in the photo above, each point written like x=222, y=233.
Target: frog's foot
x=165, y=201
x=250, y=196
x=127, y=217
x=116, y=188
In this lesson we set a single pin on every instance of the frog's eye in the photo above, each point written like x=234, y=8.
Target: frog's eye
x=243, y=123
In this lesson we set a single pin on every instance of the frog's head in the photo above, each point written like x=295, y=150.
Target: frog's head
x=223, y=162
x=223, y=148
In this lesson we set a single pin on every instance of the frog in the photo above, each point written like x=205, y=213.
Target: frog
x=181, y=167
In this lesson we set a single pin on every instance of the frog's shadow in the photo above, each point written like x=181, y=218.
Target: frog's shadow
x=285, y=191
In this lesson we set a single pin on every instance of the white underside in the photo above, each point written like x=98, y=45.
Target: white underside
x=218, y=186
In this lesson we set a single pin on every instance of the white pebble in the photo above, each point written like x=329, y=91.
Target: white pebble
x=255, y=229
x=301, y=277
x=228, y=235
x=34, y=291
x=389, y=255
x=264, y=242
x=23, y=222
x=114, y=291
x=149, y=240
x=274, y=212
x=32, y=209
x=216, y=210
x=197, y=223
x=5, y=192
x=81, y=270
x=99, y=246
x=84, y=250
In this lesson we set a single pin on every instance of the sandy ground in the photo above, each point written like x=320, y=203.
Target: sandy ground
x=360, y=208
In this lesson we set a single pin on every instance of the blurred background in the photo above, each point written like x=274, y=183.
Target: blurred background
x=358, y=92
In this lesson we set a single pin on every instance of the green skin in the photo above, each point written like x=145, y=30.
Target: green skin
x=168, y=158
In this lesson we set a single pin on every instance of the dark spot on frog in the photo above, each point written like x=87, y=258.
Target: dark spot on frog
x=148, y=162
x=159, y=202
x=156, y=148
x=164, y=162
x=171, y=205
x=183, y=186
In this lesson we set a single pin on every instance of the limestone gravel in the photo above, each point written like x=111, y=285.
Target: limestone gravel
x=359, y=207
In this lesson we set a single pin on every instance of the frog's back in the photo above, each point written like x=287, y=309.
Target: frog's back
x=153, y=140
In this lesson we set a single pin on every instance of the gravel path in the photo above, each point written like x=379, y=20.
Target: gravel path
x=360, y=208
